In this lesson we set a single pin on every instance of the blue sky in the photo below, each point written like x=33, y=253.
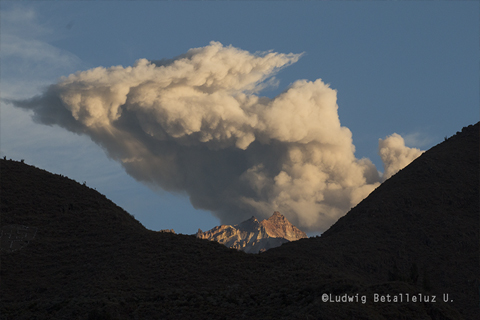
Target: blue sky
x=410, y=68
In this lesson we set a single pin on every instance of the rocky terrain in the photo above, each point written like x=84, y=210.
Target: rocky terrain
x=253, y=236
x=67, y=252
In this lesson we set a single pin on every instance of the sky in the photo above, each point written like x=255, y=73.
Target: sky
x=292, y=109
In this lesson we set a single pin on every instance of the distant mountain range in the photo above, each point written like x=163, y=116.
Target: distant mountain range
x=67, y=252
x=253, y=236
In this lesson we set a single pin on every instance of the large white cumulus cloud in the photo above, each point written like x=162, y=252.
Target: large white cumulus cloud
x=196, y=124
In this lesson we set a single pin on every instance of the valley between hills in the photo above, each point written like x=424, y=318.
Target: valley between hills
x=67, y=252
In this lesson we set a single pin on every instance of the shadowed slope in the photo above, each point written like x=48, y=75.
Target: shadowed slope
x=90, y=254
x=421, y=226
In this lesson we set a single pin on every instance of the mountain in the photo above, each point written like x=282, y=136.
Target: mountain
x=253, y=236
x=419, y=227
x=67, y=252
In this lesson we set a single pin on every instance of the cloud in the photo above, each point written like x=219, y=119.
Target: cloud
x=23, y=22
x=417, y=139
x=197, y=124
x=395, y=155
x=27, y=58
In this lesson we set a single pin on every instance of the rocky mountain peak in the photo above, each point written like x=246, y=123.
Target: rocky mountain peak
x=277, y=226
x=253, y=236
x=249, y=225
x=277, y=216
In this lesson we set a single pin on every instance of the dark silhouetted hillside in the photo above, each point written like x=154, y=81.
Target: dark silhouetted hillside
x=421, y=227
x=89, y=259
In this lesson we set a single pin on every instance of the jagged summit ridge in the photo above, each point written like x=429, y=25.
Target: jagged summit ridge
x=277, y=226
x=253, y=236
